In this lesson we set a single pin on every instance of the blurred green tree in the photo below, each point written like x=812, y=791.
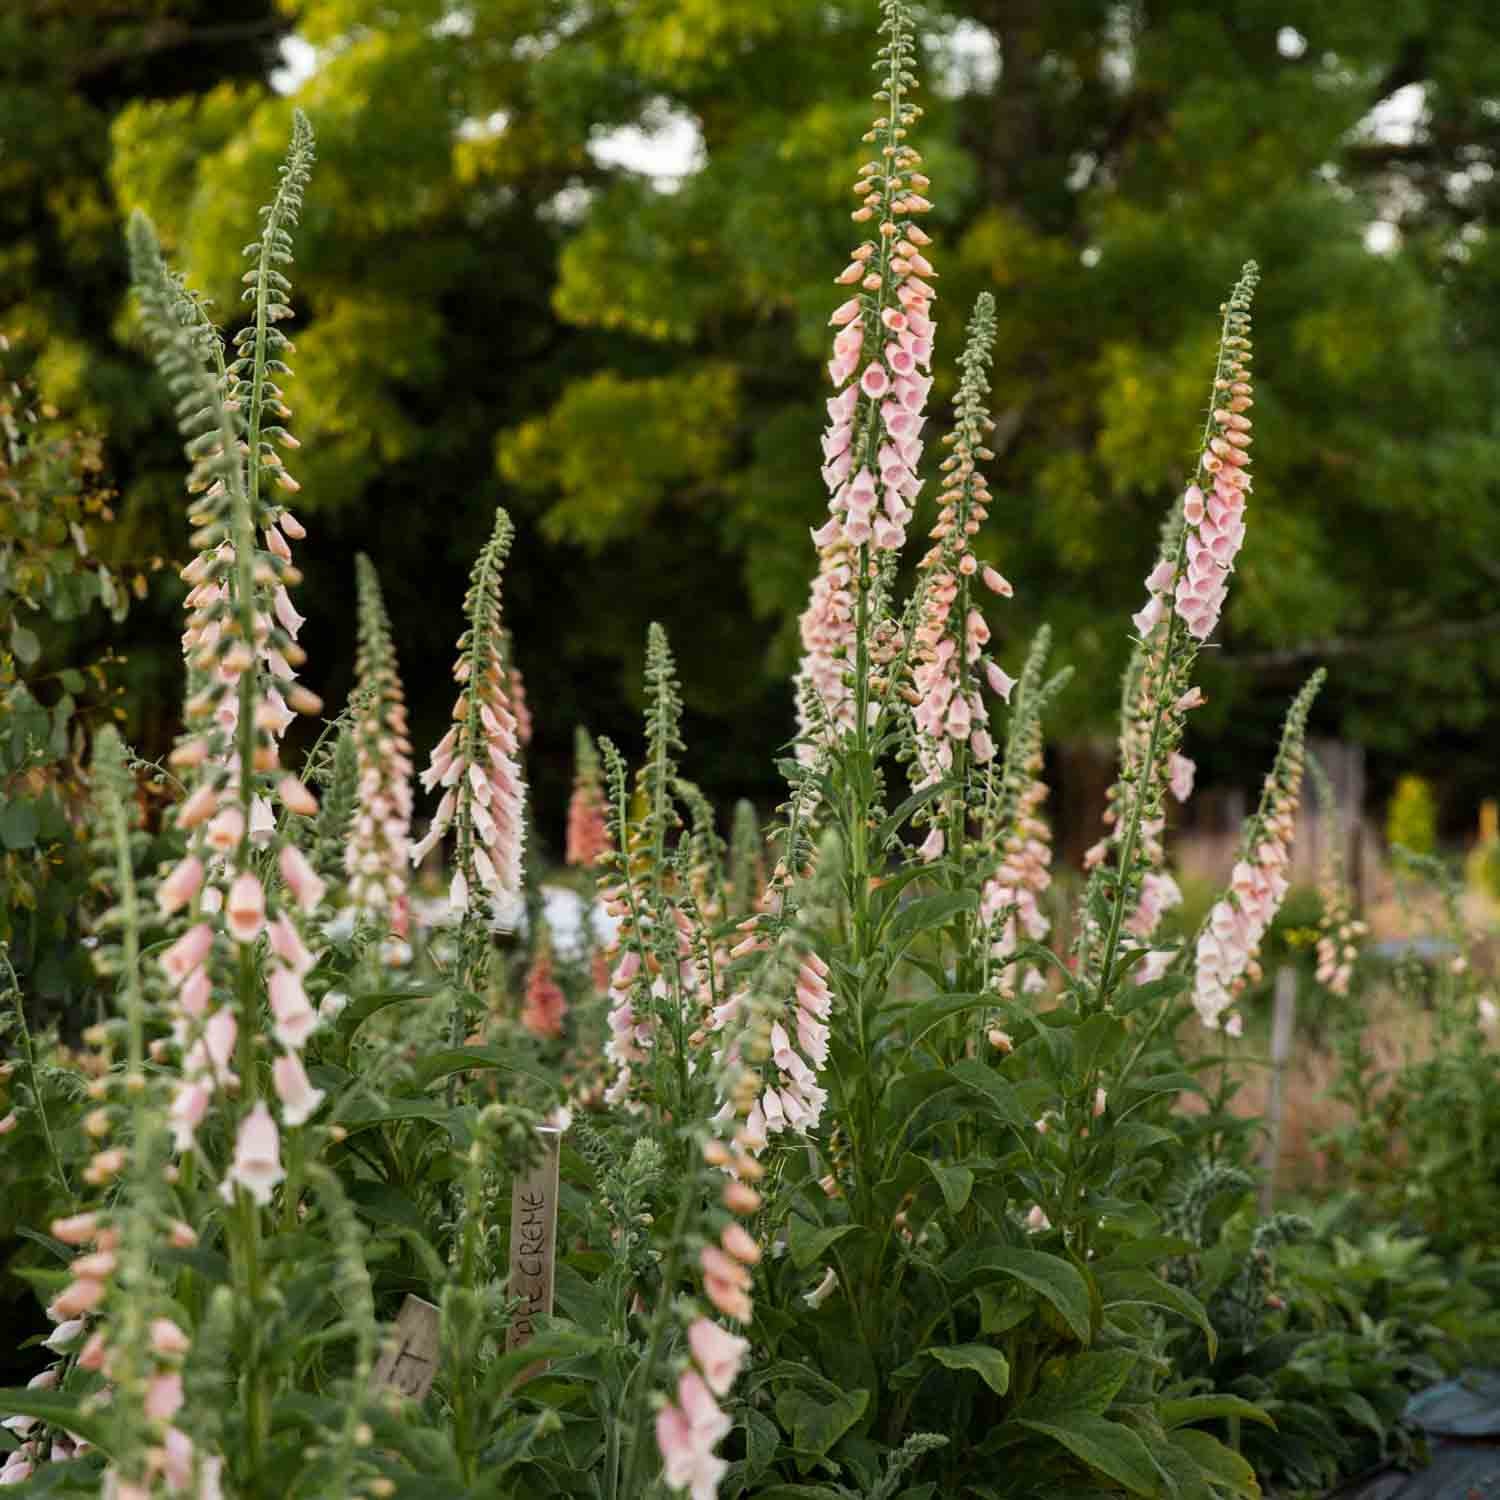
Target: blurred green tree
x=495, y=309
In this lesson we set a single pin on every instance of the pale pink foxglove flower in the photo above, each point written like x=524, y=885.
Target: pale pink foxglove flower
x=78, y=1229
x=726, y=1283
x=64, y=1335
x=164, y=1396
x=245, y=911
x=299, y=1099
x=187, y=952
x=287, y=944
x=168, y=1339
x=78, y=1297
x=301, y=879
x=718, y=1353
x=180, y=886
x=1180, y=773
x=295, y=1018
x=824, y=1289
x=257, y=1157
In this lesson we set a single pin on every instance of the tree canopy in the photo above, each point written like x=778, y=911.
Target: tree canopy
x=493, y=309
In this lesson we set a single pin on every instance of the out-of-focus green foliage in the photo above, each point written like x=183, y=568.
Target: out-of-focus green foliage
x=52, y=499
x=494, y=313
x=1411, y=817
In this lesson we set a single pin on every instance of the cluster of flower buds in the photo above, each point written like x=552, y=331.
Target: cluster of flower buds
x=379, y=846
x=873, y=442
x=476, y=761
x=1231, y=937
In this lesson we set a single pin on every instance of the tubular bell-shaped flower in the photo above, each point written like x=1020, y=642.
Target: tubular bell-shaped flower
x=872, y=445
x=1230, y=938
x=476, y=761
x=379, y=847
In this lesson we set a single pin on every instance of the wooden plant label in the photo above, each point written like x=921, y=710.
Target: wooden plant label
x=533, y=1238
x=408, y=1362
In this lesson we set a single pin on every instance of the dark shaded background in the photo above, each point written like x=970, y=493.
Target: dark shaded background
x=492, y=313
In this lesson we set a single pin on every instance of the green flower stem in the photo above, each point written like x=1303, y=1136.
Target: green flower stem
x=644, y=1374
x=29, y=1057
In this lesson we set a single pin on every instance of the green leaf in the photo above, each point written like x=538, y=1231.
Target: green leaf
x=996, y=1092
x=897, y=819
x=999, y=1312
x=1110, y=1447
x=916, y=1021
x=1087, y=1382
x=928, y=912
x=19, y=824
x=502, y=1375
x=439, y=1065
x=1058, y=1280
x=362, y=1007
x=818, y=1422
x=1096, y=1041
x=361, y=1114
x=956, y=1183
x=210, y=1264
x=1187, y=1409
x=1163, y=1083
x=804, y=1492
x=59, y=1409
x=50, y=1245
x=27, y=649
x=1116, y=1287
x=1223, y=1465
x=386, y=1205
x=761, y=1442
x=1357, y=1407
x=989, y=1364
x=809, y=1245
x=1144, y=1252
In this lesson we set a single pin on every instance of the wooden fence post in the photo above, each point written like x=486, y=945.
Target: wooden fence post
x=1283, y=1021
